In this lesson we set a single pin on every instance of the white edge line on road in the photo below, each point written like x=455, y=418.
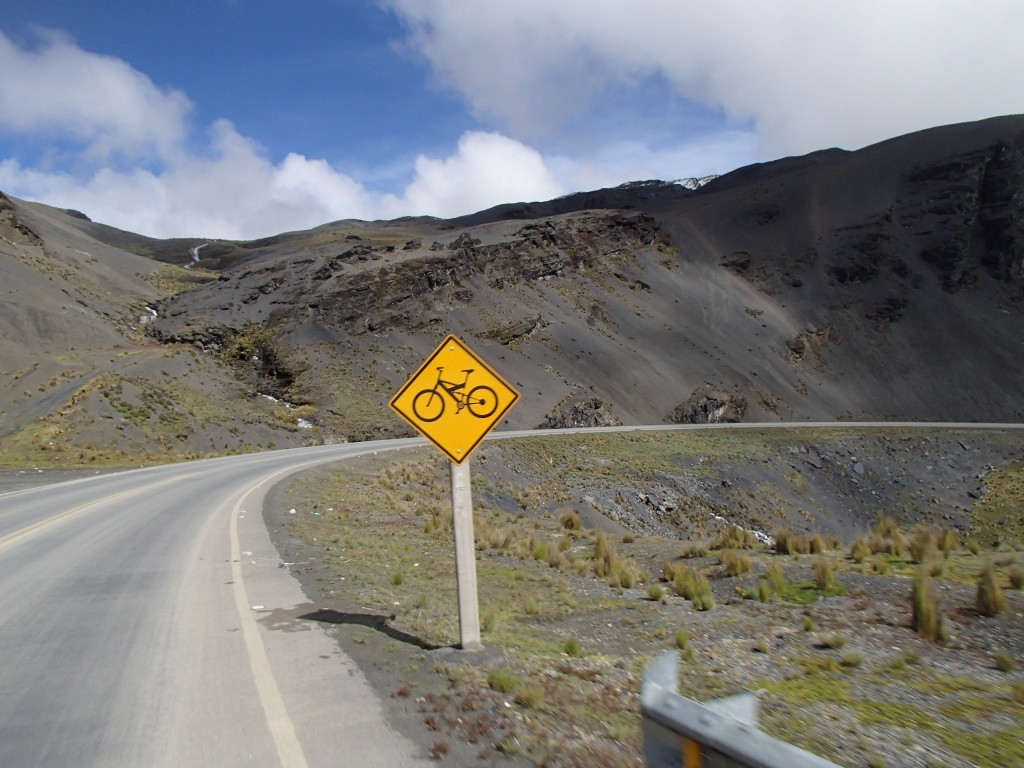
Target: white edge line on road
x=279, y=722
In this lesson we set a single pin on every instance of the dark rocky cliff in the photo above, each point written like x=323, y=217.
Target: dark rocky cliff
x=883, y=283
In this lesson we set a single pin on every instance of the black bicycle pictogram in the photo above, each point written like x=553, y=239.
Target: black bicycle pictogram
x=481, y=400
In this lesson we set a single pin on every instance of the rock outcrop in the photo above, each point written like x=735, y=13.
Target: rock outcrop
x=587, y=412
x=708, y=405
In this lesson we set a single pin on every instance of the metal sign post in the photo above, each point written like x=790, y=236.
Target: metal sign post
x=455, y=399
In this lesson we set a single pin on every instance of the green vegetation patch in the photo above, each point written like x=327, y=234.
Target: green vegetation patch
x=807, y=592
x=997, y=517
x=997, y=749
x=630, y=454
x=170, y=279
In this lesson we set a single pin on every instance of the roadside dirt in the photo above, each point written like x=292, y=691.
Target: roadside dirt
x=843, y=674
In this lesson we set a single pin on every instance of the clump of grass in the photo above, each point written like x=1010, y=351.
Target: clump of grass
x=621, y=574
x=785, y=542
x=923, y=548
x=814, y=665
x=693, y=550
x=691, y=586
x=887, y=538
x=886, y=527
x=618, y=731
x=558, y=560
x=835, y=641
x=735, y=538
x=764, y=591
x=1016, y=576
x=488, y=621
x=1017, y=692
x=607, y=561
x=684, y=647
x=397, y=578
x=703, y=599
x=852, y=657
x=824, y=575
x=990, y=600
x=530, y=695
x=1004, y=661
x=571, y=521
x=776, y=579
x=859, y=551
x=948, y=541
x=509, y=745
x=572, y=647
x=683, y=580
x=734, y=563
x=761, y=646
x=881, y=565
x=808, y=624
x=788, y=543
x=926, y=617
x=656, y=592
x=502, y=680
x=897, y=545
x=540, y=551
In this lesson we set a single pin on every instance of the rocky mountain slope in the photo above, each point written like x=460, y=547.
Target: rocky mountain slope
x=879, y=284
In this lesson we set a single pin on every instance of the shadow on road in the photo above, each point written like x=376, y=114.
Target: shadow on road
x=371, y=620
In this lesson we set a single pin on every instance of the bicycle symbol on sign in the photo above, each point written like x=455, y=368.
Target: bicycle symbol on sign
x=481, y=400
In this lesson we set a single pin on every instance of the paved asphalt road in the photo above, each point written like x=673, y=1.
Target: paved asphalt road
x=145, y=621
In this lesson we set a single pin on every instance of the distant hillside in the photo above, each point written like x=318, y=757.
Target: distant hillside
x=879, y=284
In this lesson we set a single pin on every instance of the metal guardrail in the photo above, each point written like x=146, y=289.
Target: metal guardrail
x=720, y=734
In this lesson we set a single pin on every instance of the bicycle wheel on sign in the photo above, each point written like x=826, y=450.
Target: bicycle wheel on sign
x=482, y=401
x=428, y=405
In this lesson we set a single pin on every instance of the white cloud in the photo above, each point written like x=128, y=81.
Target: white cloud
x=237, y=193
x=486, y=170
x=97, y=101
x=791, y=76
x=131, y=166
x=808, y=75
x=621, y=161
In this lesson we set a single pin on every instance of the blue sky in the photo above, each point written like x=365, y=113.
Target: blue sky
x=242, y=118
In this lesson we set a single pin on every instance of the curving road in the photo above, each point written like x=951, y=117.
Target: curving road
x=145, y=621
x=129, y=636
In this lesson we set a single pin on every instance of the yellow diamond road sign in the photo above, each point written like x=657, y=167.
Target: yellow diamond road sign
x=454, y=399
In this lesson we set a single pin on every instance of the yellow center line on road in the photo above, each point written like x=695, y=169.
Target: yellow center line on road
x=28, y=530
